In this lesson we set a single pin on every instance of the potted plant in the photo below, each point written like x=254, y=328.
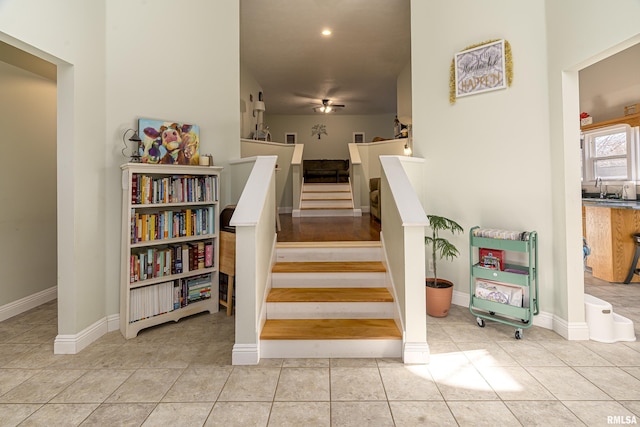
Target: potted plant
x=440, y=291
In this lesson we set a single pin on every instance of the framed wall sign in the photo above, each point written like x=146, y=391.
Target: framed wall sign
x=291, y=137
x=480, y=68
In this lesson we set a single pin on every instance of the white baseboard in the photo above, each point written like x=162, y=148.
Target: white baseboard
x=73, y=344
x=543, y=319
x=415, y=353
x=245, y=354
x=113, y=322
x=7, y=311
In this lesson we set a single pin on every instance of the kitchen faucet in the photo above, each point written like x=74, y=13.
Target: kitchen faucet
x=599, y=184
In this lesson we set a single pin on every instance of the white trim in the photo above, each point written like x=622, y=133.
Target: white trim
x=27, y=303
x=73, y=344
x=543, y=319
x=416, y=352
x=245, y=354
x=574, y=331
x=113, y=322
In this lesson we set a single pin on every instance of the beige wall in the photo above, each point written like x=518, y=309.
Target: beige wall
x=339, y=128
x=608, y=85
x=28, y=191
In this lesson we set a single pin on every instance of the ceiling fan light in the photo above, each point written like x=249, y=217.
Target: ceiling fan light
x=327, y=109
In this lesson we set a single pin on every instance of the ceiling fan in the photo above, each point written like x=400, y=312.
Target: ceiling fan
x=328, y=106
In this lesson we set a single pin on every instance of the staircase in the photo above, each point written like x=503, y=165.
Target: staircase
x=327, y=199
x=329, y=299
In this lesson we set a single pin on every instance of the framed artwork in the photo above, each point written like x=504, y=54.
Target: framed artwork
x=358, y=137
x=169, y=142
x=290, y=137
x=480, y=69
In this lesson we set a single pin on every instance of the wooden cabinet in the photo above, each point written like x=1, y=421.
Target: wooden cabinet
x=608, y=233
x=169, y=243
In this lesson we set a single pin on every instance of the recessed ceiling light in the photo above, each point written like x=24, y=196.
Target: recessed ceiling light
x=326, y=32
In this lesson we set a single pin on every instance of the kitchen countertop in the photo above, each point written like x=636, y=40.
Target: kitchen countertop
x=612, y=203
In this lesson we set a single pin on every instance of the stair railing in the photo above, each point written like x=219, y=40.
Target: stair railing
x=355, y=177
x=297, y=175
x=255, y=221
x=403, y=226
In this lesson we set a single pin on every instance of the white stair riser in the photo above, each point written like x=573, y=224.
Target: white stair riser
x=328, y=280
x=310, y=188
x=329, y=310
x=270, y=349
x=328, y=254
x=326, y=204
x=329, y=212
x=326, y=196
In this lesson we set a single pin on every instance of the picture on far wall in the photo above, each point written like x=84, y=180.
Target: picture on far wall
x=169, y=143
x=291, y=137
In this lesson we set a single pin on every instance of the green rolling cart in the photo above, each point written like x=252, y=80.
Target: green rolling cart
x=503, y=292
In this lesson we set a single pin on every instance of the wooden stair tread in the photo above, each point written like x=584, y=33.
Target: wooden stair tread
x=329, y=295
x=330, y=329
x=329, y=267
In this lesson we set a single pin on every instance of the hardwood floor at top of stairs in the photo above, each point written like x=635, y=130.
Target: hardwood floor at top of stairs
x=328, y=229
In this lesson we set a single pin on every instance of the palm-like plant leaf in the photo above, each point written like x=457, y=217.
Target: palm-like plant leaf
x=441, y=247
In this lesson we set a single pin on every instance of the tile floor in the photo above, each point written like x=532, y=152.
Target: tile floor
x=181, y=374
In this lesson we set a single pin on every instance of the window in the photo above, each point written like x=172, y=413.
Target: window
x=610, y=154
x=358, y=137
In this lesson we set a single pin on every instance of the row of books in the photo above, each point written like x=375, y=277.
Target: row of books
x=148, y=189
x=165, y=297
x=170, y=224
x=164, y=261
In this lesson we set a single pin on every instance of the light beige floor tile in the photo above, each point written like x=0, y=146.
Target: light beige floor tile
x=357, y=414
x=119, y=414
x=633, y=406
x=573, y=353
x=10, y=378
x=633, y=370
x=62, y=414
x=354, y=363
x=295, y=414
x=356, y=384
x=411, y=414
x=94, y=386
x=482, y=413
x=213, y=354
x=543, y=414
x=39, y=334
x=411, y=382
x=486, y=354
x=270, y=363
x=41, y=387
x=530, y=353
x=466, y=332
x=239, y=414
x=599, y=413
x=145, y=386
x=435, y=332
x=461, y=381
x=178, y=414
x=303, y=384
x=198, y=384
x=567, y=384
x=11, y=352
x=250, y=384
x=617, y=383
x=389, y=362
x=515, y=383
x=305, y=363
x=12, y=414
x=40, y=357
x=617, y=353
x=173, y=357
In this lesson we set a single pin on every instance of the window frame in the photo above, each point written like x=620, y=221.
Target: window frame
x=589, y=160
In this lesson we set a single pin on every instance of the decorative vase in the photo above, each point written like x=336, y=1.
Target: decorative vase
x=438, y=299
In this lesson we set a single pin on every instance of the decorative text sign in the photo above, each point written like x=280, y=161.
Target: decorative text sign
x=480, y=69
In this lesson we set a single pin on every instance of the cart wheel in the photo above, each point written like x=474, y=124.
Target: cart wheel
x=519, y=334
x=492, y=313
x=480, y=322
x=524, y=321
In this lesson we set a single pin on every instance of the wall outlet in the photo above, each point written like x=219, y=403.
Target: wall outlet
x=430, y=265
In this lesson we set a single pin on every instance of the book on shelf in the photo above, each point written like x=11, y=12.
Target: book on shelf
x=208, y=254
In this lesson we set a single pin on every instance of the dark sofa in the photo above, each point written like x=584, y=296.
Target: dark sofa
x=325, y=170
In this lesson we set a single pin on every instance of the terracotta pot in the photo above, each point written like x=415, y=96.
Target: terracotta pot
x=439, y=299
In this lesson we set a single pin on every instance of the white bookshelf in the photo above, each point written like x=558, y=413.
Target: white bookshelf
x=175, y=216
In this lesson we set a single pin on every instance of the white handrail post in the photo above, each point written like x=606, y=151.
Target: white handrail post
x=297, y=178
